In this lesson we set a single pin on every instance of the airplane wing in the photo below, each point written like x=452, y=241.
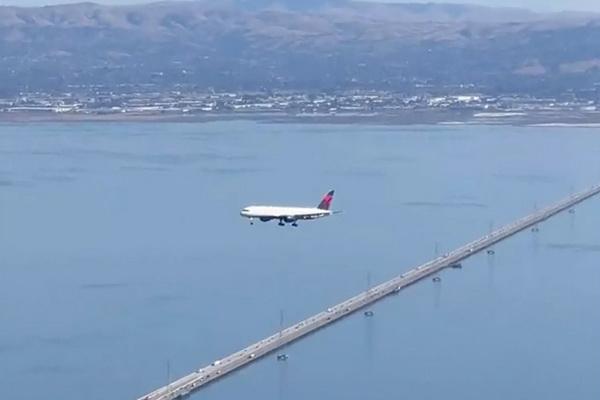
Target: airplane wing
x=314, y=215
x=305, y=216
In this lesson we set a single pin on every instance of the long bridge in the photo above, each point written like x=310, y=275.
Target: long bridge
x=220, y=368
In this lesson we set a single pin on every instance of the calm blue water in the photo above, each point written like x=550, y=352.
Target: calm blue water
x=122, y=250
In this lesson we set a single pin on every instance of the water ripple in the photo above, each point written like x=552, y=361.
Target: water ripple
x=578, y=247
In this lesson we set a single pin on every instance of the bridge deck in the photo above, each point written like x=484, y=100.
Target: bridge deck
x=220, y=368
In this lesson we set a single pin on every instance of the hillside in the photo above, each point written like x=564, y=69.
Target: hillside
x=323, y=45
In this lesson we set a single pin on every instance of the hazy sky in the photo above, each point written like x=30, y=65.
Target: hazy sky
x=539, y=5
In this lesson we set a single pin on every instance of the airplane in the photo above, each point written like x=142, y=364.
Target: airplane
x=290, y=215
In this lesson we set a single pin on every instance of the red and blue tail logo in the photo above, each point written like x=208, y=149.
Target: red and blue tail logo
x=326, y=202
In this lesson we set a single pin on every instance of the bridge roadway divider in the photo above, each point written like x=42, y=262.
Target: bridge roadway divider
x=220, y=368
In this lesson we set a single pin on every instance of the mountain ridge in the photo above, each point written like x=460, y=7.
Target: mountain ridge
x=341, y=44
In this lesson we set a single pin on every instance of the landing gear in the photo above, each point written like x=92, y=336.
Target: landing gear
x=287, y=220
x=251, y=221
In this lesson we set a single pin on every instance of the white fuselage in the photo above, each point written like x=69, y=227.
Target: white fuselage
x=287, y=213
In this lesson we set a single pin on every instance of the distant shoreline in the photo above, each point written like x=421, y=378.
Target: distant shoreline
x=409, y=117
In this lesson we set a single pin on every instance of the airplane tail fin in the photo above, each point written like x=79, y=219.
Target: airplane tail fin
x=326, y=202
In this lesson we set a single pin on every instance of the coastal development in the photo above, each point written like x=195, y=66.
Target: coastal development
x=107, y=104
x=220, y=368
